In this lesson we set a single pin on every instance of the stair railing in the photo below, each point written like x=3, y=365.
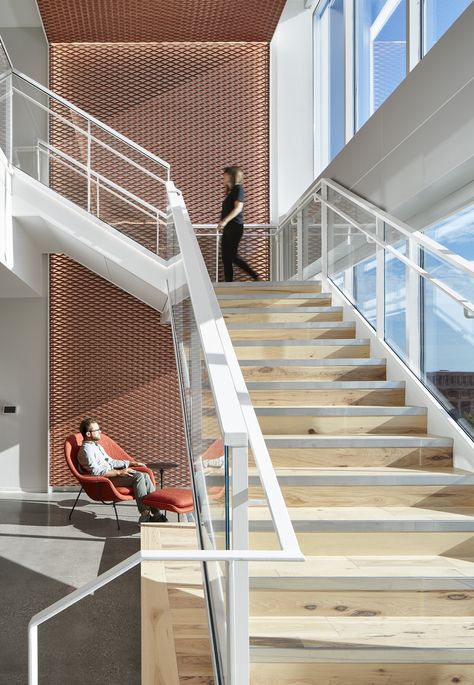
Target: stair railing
x=384, y=268
x=216, y=404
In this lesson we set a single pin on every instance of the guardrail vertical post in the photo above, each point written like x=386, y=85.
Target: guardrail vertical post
x=238, y=619
x=9, y=118
x=299, y=245
x=157, y=234
x=324, y=233
x=217, y=255
x=380, y=280
x=33, y=655
x=413, y=309
x=88, y=165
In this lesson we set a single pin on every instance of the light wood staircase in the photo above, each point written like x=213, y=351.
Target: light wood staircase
x=386, y=595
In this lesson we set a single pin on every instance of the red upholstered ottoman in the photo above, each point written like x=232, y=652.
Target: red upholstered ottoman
x=179, y=500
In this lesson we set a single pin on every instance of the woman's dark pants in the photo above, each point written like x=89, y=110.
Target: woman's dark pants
x=231, y=236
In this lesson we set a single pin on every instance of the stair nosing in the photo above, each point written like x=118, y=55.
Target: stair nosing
x=334, y=441
x=319, y=342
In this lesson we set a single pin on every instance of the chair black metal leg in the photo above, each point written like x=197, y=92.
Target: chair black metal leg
x=179, y=518
x=116, y=515
x=77, y=499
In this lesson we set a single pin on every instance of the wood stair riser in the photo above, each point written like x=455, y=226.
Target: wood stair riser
x=419, y=496
x=364, y=603
x=339, y=672
x=320, y=301
x=342, y=425
x=273, y=288
x=392, y=397
x=309, y=373
x=304, y=352
x=429, y=458
x=281, y=317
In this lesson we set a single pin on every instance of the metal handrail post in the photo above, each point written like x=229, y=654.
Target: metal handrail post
x=88, y=166
x=299, y=245
x=324, y=233
x=380, y=280
x=239, y=570
x=9, y=119
x=413, y=318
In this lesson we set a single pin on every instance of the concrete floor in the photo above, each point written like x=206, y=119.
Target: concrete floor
x=44, y=556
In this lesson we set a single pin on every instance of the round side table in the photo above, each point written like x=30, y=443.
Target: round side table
x=162, y=466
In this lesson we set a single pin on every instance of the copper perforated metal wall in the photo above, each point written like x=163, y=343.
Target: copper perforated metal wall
x=89, y=21
x=200, y=107
x=111, y=358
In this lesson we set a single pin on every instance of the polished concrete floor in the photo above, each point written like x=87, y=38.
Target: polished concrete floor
x=44, y=556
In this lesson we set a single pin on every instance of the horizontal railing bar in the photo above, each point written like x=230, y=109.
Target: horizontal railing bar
x=459, y=299
x=93, y=120
x=85, y=133
x=153, y=212
x=432, y=245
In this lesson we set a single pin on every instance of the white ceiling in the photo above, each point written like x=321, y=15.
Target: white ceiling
x=19, y=13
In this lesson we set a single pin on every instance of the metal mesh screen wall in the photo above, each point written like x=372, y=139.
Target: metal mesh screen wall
x=200, y=107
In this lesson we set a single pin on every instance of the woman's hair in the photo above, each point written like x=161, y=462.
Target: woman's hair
x=236, y=175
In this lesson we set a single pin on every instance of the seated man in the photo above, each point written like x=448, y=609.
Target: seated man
x=93, y=459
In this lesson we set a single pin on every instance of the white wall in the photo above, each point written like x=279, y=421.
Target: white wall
x=291, y=106
x=23, y=319
x=23, y=382
x=412, y=154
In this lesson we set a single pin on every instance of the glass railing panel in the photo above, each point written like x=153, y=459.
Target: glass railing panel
x=352, y=210
x=455, y=232
x=447, y=354
x=447, y=274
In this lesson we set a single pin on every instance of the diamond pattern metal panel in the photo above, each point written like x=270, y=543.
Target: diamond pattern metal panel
x=111, y=358
x=200, y=107
x=90, y=21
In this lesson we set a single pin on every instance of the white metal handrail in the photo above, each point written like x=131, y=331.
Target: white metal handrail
x=119, y=569
x=81, y=169
x=88, y=135
x=96, y=122
x=203, y=296
x=450, y=292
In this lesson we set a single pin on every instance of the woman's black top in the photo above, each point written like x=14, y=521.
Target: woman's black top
x=236, y=194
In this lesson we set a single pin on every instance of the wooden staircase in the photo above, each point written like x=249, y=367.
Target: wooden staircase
x=386, y=594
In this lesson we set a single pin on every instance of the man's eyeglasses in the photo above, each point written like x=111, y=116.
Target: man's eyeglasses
x=96, y=430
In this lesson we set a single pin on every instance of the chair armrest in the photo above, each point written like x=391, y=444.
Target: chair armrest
x=145, y=469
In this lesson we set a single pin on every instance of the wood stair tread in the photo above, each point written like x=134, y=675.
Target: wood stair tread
x=347, y=567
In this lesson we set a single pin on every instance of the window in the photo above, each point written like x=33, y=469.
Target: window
x=329, y=96
x=380, y=45
x=438, y=15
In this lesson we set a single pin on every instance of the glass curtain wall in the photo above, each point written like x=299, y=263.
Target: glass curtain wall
x=366, y=61
x=438, y=16
x=380, y=53
x=329, y=95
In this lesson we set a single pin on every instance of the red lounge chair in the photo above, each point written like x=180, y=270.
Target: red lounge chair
x=100, y=488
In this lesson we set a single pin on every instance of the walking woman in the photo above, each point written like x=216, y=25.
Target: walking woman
x=232, y=223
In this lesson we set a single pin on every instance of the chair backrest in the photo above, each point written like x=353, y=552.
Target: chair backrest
x=73, y=444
